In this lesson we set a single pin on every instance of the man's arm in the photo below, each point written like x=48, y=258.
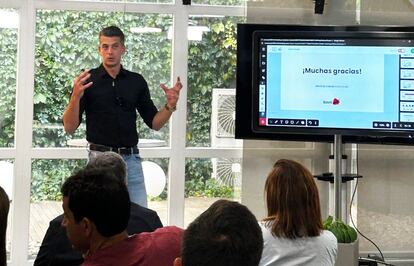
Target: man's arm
x=165, y=113
x=71, y=114
x=161, y=118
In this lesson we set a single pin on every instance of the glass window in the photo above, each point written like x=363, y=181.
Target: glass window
x=9, y=21
x=156, y=184
x=385, y=13
x=208, y=180
x=132, y=1
x=46, y=199
x=67, y=42
x=211, y=71
x=220, y=2
x=385, y=209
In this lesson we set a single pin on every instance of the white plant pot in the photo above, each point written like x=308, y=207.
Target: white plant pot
x=348, y=254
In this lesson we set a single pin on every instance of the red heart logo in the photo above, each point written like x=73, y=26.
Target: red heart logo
x=335, y=101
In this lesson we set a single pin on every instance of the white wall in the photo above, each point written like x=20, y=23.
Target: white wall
x=259, y=157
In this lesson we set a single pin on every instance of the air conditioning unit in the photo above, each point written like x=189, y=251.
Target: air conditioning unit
x=225, y=171
x=223, y=118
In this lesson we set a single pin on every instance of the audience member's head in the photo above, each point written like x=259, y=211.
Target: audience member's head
x=226, y=234
x=292, y=199
x=95, y=203
x=111, y=161
x=4, y=211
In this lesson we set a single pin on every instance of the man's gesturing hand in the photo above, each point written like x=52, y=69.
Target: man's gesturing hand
x=173, y=93
x=80, y=84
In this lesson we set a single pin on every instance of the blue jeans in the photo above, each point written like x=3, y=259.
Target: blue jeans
x=135, y=178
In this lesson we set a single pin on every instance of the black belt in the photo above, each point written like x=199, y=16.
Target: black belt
x=121, y=150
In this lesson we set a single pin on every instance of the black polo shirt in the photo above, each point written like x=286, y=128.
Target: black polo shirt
x=111, y=104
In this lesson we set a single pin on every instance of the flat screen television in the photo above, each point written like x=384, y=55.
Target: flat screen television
x=309, y=83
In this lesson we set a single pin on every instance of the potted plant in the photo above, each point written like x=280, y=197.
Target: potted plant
x=348, y=248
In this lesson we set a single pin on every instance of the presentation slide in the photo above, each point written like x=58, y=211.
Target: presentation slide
x=336, y=86
x=332, y=82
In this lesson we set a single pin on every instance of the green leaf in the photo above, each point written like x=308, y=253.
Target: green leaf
x=39, y=98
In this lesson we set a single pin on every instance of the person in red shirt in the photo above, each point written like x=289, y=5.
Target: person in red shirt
x=56, y=250
x=96, y=208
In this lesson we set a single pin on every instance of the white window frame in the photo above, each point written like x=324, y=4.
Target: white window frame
x=23, y=153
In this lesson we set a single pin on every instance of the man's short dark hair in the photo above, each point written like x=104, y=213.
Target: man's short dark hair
x=99, y=196
x=111, y=161
x=226, y=234
x=113, y=31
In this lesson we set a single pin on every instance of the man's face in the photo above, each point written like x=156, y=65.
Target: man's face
x=111, y=50
x=75, y=231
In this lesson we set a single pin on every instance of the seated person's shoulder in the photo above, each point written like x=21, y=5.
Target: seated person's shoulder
x=143, y=210
x=328, y=235
x=140, y=216
x=167, y=237
x=57, y=221
x=173, y=230
x=170, y=233
x=329, y=238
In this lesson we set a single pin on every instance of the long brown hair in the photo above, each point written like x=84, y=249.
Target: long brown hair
x=292, y=199
x=4, y=211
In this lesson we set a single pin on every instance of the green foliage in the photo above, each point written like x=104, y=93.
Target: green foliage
x=67, y=41
x=214, y=189
x=49, y=175
x=198, y=187
x=211, y=64
x=199, y=183
x=8, y=51
x=219, y=2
